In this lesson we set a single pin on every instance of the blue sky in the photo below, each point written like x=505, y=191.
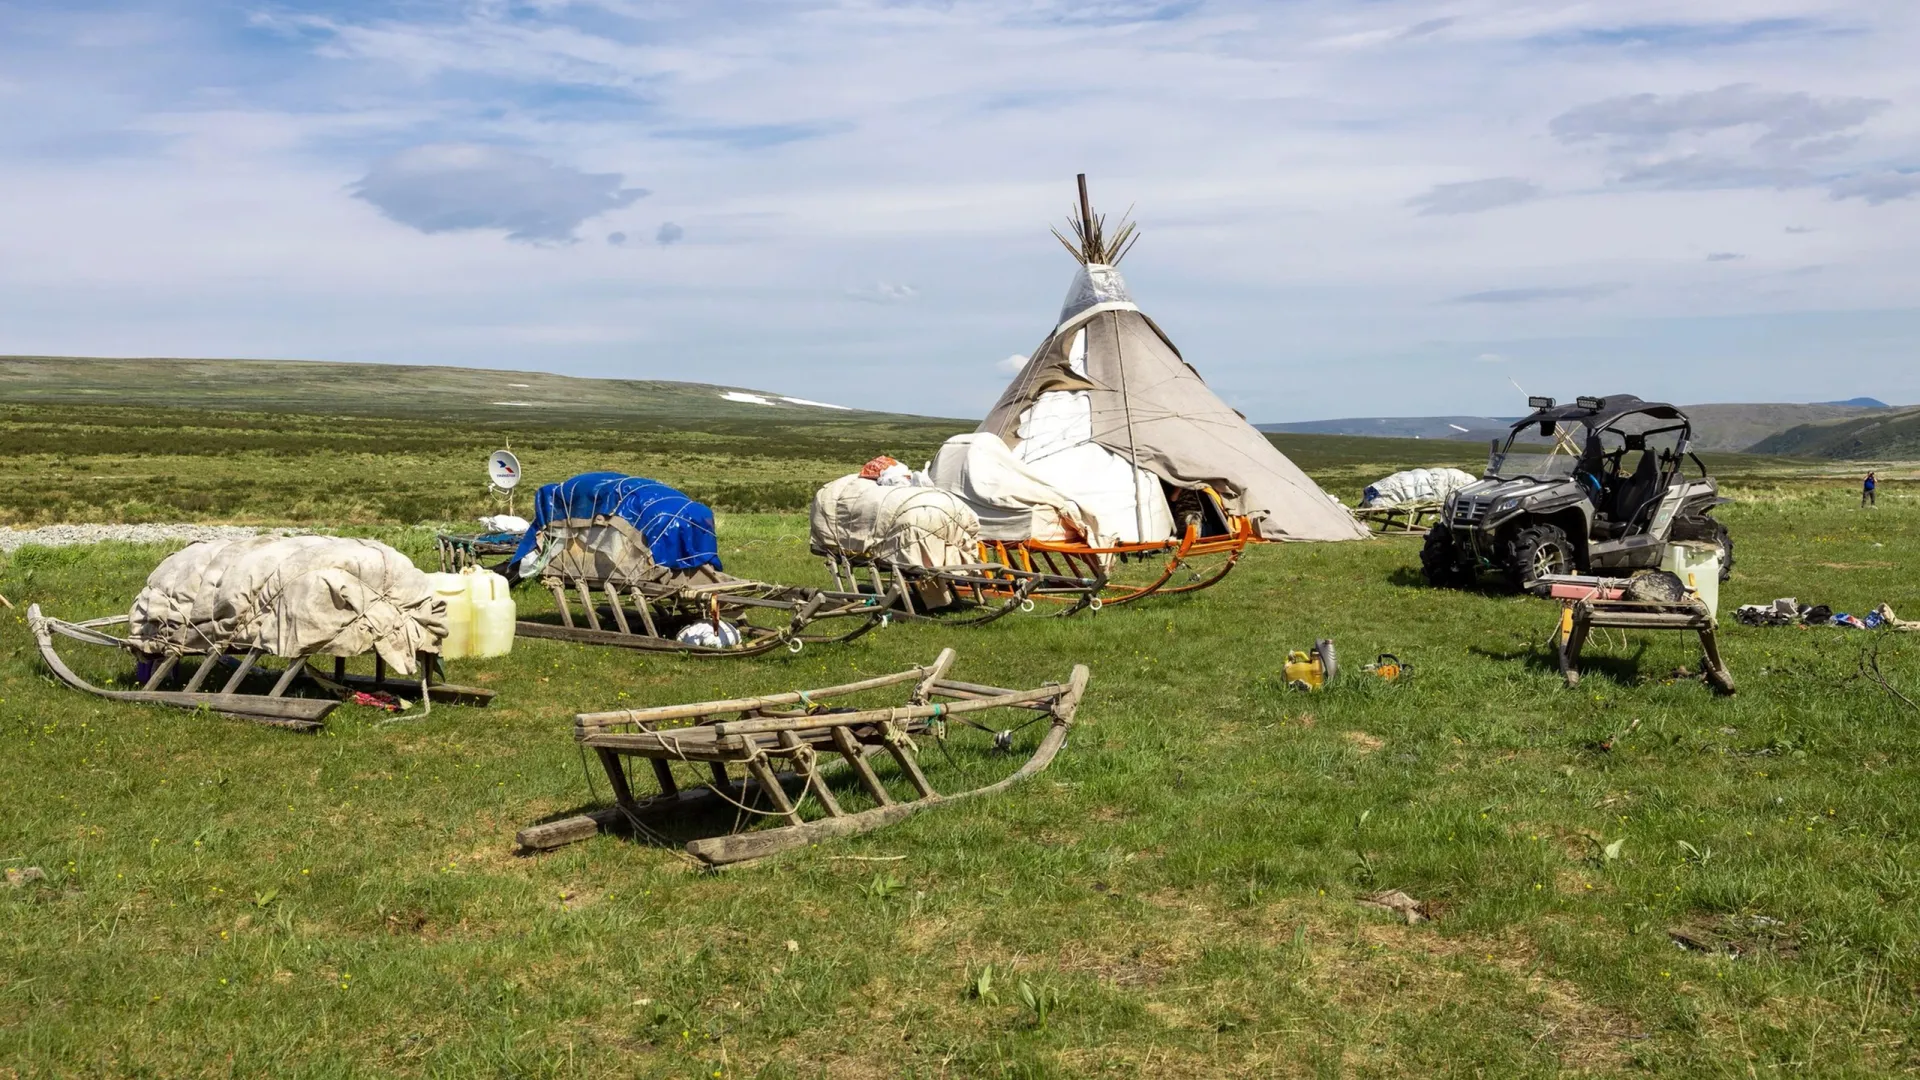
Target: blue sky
x=1371, y=207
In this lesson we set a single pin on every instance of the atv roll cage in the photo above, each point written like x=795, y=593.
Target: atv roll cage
x=1591, y=443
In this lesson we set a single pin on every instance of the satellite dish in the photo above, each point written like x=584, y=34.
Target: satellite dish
x=503, y=469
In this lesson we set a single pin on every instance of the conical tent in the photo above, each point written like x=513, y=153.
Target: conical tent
x=1107, y=377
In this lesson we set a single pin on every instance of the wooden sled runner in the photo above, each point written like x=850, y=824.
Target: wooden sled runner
x=232, y=698
x=795, y=737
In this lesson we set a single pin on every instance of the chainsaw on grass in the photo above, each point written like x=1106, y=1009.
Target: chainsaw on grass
x=1313, y=669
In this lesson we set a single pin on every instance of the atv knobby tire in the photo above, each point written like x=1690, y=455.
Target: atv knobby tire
x=1440, y=561
x=1536, y=550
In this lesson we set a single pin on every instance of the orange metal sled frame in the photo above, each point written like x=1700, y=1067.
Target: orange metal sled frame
x=1082, y=560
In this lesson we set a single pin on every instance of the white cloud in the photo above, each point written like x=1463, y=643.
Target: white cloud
x=1012, y=364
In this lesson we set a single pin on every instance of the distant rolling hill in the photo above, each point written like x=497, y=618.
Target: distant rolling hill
x=1719, y=427
x=522, y=398
x=1881, y=435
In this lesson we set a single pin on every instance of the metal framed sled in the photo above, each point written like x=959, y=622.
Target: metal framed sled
x=197, y=673
x=793, y=750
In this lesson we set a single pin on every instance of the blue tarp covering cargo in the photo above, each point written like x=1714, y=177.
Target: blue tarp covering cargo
x=678, y=531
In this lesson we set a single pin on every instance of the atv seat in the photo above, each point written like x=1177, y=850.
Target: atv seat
x=1633, y=494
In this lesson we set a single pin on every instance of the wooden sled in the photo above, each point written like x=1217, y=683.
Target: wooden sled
x=459, y=551
x=973, y=594
x=1413, y=519
x=661, y=607
x=273, y=708
x=757, y=732
x=1194, y=561
x=1578, y=618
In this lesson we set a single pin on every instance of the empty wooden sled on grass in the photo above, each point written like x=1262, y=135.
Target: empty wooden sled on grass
x=643, y=562
x=922, y=546
x=794, y=751
x=213, y=612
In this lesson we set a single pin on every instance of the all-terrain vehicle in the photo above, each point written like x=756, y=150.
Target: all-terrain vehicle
x=1595, y=487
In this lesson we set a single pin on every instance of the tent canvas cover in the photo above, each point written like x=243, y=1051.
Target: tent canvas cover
x=1107, y=378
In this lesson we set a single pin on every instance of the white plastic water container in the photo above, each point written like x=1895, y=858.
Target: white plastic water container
x=453, y=591
x=493, y=612
x=1697, y=565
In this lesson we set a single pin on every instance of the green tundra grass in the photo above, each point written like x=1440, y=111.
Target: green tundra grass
x=1175, y=897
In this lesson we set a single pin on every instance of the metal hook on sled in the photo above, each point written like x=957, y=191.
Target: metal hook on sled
x=1027, y=604
x=1003, y=740
x=1094, y=604
x=795, y=646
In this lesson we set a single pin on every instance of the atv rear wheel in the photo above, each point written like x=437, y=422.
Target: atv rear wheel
x=1703, y=528
x=1537, y=550
x=1441, y=563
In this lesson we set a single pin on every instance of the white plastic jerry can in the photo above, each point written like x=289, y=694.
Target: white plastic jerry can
x=1697, y=565
x=452, y=590
x=493, y=612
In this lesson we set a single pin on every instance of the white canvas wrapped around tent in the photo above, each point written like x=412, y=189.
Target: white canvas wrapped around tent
x=1110, y=380
x=915, y=526
x=291, y=596
x=1012, y=502
x=1411, y=486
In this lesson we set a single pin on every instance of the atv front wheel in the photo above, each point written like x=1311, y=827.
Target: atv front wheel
x=1441, y=563
x=1538, y=550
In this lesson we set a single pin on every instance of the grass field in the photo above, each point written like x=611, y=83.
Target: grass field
x=1176, y=897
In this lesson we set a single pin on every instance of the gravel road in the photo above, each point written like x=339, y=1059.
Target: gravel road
x=66, y=535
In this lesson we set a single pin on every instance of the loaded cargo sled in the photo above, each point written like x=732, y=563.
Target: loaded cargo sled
x=643, y=561
x=879, y=532
x=211, y=613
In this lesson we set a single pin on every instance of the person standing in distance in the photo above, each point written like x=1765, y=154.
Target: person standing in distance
x=1866, y=494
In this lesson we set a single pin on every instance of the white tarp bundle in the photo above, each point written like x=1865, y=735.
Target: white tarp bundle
x=291, y=596
x=894, y=524
x=1416, y=485
x=1011, y=501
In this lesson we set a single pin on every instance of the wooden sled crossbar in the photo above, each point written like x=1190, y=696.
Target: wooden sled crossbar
x=813, y=743
x=273, y=708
